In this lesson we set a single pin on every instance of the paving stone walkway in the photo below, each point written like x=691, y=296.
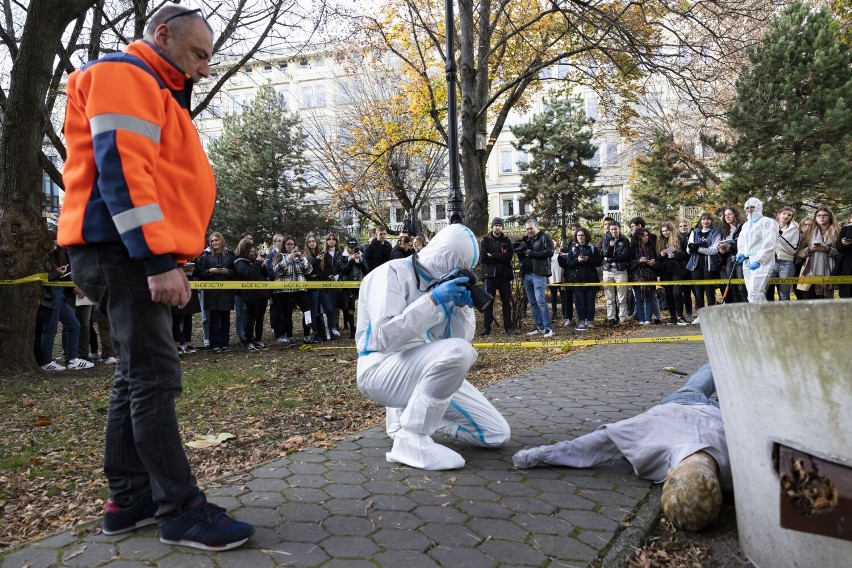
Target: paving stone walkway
x=347, y=506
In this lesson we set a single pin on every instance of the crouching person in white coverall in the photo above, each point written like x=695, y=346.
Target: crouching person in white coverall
x=756, y=243
x=413, y=340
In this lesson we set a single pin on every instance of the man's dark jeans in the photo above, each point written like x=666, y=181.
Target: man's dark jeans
x=144, y=452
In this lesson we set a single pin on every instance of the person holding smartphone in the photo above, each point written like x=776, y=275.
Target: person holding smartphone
x=818, y=248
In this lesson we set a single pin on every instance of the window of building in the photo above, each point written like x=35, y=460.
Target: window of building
x=247, y=69
x=522, y=158
x=507, y=165
x=526, y=207
x=319, y=61
x=282, y=66
x=313, y=95
x=303, y=62
x=613, y=201
x=596, y=159
x=611, y=153
x=400, y=214
x=508, y=208
x=267, y=68
x=425, y=212
x=319, y=95
x=440, y=211
x=591, y=106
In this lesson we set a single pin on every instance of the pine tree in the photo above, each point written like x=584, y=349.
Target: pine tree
x=793, y=116
x=558, y=181
x=259, y=164
x=667, y=177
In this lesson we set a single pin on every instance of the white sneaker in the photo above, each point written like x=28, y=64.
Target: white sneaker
x=111, y=361
x=53, y=366
x=206, y=343
x=335, y=333
x=695, y=321
x=548, y=333
x=567, y=323
x=283, y=340
x=535, y=332
x=589, y=324
x=77, y=364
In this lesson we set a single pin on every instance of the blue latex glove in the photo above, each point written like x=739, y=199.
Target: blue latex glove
x=741, y=258
x=452, y=291
x=754, y=265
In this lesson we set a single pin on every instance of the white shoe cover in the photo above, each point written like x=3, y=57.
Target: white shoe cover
x=421, y=452
x=392, y=423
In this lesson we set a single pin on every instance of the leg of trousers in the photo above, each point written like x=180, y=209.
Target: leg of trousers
x=104, y=330
x=529, y=288
x=144, y=452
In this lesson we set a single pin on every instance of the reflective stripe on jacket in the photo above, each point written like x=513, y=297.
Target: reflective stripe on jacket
x=136, y=171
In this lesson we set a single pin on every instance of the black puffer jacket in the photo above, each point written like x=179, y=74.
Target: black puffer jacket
x=219, y=300
x=496, y=254
x=616, y=253
x=577, y=271
x=540, y=249
x=252, y=271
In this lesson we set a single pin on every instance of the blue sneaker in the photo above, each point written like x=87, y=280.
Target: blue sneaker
x=118, y=520
x=206, y=526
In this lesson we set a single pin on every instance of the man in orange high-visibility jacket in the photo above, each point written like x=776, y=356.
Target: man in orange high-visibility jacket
x=139, y=196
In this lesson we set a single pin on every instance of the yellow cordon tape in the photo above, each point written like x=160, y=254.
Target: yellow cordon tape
x=564, y=345
x=722, y=281
x=270, y=285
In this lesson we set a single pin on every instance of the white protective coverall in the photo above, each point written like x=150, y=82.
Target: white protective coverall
x=414, y=355
x=757, y=241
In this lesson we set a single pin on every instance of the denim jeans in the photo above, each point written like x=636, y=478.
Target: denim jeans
x=144, y=453
x=535, y=287
x=644, y=306
x=64, y=313
x=318, y=299
x=784, y=269
x=240, y=315
x=697, y=389
x=205, y=315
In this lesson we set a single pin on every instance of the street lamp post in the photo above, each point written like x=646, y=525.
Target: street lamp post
x=455, y=202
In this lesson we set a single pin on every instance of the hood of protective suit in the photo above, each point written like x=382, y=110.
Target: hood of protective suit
x=453, y=248
x=758, y=208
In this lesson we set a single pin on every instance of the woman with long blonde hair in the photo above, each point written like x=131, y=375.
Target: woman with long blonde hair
x=818, y=248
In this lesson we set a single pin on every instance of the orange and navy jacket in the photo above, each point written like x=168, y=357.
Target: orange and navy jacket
x=136, y=172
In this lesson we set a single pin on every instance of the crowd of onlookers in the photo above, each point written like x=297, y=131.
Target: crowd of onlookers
x=312, y=259
x=680, y=253
x=674, y=253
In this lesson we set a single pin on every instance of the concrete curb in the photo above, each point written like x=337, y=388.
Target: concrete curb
x=634, y=536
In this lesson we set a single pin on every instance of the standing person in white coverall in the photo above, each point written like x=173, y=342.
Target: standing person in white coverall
x=756, y=245
x=413, y=340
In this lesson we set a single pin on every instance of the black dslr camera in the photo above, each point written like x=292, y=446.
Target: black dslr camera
x=481, y=298
x=519, y=246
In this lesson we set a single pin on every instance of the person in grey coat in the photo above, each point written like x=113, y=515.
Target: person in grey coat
x=680, y=442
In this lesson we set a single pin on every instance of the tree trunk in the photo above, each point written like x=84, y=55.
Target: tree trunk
x=474, y=85
x=24, y=243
